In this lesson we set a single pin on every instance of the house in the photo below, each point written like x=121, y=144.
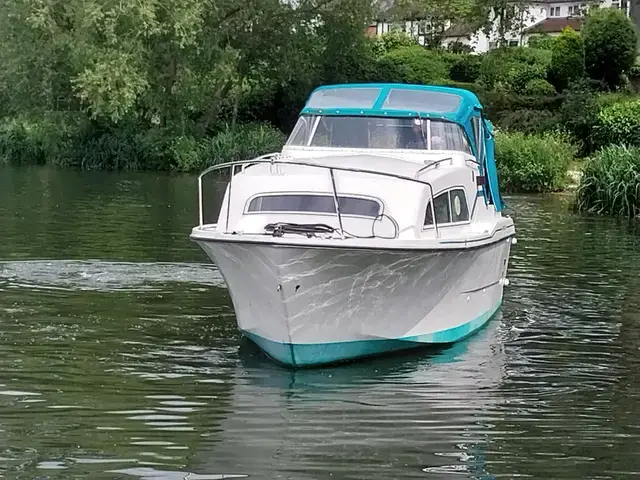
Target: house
x=538, y=17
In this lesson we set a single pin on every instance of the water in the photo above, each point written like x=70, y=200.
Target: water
x=119, y=355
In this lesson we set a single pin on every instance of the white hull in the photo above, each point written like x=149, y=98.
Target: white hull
x=309, y=305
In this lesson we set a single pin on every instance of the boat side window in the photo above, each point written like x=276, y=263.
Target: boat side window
x=477, y=132
x=450, y=207
x=459, y=207
x=314, y=203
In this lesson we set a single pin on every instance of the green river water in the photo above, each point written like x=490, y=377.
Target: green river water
x=120, y=358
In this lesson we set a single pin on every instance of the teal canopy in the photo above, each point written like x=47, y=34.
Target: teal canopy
x=394, y=100
x=425, y=101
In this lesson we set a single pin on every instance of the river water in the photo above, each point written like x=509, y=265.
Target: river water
x=120, y=358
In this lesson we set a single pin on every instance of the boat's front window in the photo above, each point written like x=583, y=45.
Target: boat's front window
x=313, y=203
x=378, y=132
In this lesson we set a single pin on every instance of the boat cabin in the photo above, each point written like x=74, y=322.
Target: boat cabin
x=375, y=161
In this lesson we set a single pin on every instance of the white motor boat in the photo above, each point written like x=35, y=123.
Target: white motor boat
x=378, y=227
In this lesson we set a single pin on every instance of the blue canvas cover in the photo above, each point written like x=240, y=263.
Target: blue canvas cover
x=404, y=100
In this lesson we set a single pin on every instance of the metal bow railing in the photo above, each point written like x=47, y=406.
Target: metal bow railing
x=276, y=159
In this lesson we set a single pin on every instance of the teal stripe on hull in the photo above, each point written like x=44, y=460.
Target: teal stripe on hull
x=309, y=354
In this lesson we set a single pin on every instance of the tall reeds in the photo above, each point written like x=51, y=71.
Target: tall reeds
x=610, y=183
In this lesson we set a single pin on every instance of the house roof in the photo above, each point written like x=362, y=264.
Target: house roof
x=555, y=25
x=460, y=30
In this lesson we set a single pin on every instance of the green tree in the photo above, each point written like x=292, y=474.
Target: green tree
x=162, y=62
x=610, y=41
x=411, y=65
x=567, y=60
x=503, y=17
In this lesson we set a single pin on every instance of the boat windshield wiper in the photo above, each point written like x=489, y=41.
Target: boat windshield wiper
x=308, y=229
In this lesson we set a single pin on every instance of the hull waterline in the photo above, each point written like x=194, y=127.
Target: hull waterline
x=308, y=306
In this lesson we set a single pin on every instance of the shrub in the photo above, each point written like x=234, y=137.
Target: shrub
x=579, y=113
x=567, y=60
x=527, y=120
x=542, y=42
x=465, y=69
x=610, y=183
x=459, y=47
x=618, y=124
x=532, y=163
x=522, y=74
x=242, y=142
x=496, y=103
x=392, y=41
x=512, y=68
x=538, y=87
x=411, y=65
x=128, y=146
x=610, y=41
x=24, y=140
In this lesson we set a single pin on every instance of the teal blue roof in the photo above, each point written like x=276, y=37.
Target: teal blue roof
x=394, y=100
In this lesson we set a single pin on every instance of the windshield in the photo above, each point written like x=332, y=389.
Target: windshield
x=378, y=132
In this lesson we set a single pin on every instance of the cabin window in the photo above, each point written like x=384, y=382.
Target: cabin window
x=378, y=132
x=360, y=97
x=459, y=207
x=448, y=136
x=407, y=99
x=477, y=133
x=314, y=203
x=450, y=207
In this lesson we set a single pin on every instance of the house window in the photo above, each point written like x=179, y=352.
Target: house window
x=554, y=12
x=450, y=207
x=623, y=5
x=615, y=5
x=574, y=10
x=512, y=43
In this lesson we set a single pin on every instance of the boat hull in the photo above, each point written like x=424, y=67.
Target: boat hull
x=308, y=306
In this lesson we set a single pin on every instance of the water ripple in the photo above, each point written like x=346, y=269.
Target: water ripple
x=136, y=370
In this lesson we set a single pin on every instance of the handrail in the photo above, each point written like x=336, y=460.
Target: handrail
x=427, y=166
x=275, y=158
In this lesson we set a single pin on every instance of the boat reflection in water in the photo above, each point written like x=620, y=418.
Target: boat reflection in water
x=411, y=415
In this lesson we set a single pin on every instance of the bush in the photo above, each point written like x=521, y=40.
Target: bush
x=618, y=124
x=512, y=68
x=465, y=69
x=579, y=113
x=24, y=140
x=610, y=41
x=129, y=147
x=532, y=163
x=411, y=65
x=392, y=41
x=567, y=60
x=242, y=142
x=610, y=183
x=459, y=47
x=538, y=87
x=496, y=103
x=527, y=121
x=542, y=42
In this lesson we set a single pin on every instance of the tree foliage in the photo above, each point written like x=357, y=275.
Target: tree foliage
x=567, y=60
x=164, y=62
x=436, y=15
x=610, y=41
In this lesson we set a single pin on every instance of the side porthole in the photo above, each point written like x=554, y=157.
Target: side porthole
x=450, y=207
